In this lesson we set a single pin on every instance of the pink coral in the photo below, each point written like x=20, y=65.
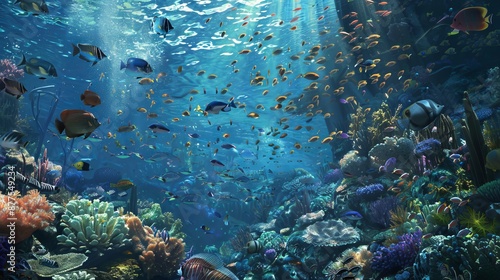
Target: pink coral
x=8, y=69
x=29, y=213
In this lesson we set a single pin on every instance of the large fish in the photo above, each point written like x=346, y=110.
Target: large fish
x=206, y=266
x=33, y=6
x=420, y=114
x=88, y=53
x=38, y=67
x=471, y=19
x=77, y=123
x=215, y=107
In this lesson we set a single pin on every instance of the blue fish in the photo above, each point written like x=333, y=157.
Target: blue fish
x=159, y=128
x=352, y=215
x=88, y=53
x=161, y=25
x=136, y=66
x=215, y=107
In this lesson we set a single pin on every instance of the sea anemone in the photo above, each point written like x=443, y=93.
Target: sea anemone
x=477, y=222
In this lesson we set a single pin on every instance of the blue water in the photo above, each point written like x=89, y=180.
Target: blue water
x=268, y=148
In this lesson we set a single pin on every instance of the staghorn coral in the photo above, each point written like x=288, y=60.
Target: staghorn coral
x=477, y=257
x=31, y=213
x=157, y=257
x=92, y=226
x=331, y=233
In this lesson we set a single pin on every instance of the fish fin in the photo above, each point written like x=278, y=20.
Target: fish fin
x=60, y=126
x=82, y=97
x=95, y=62
x=42, y=78
x=122, y=65
x=23, y=61
x=76, y=50
x=87, y=135
x=232, y=104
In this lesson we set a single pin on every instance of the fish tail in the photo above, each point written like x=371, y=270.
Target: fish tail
x=82, y=97
x=23, y=61
x=489, y=19
x=232, y=104
x=122, y=65
x=60, y=126
x=76, y=50
x=2, y=85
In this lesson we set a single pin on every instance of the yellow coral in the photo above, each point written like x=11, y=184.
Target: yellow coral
x=477, y=222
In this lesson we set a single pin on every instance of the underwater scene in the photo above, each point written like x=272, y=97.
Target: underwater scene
x=249, y=139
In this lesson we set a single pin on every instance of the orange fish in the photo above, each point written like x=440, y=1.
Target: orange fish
x=471, y=19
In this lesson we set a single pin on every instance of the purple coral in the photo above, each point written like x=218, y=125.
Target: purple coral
x=429, y=154
x=8, y=69
x=333, y=176
x=370, y=192
x=379, y=211
x=398, y=256
x=270, y=254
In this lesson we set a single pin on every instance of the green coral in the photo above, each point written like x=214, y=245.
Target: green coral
x=490, y=191
x=154, y=216
x=92, y=226
x=477, y=222
x=271, y=239
x=78, y=275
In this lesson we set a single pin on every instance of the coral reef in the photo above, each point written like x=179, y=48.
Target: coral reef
x=490, y=191
x=353, y=165
x=156, y=257
x=370, y=192
x=330, y=233
x=389, y=260
x=443, y=130
x=399, y=148
x=78, y=275
x=8, y=69
x=31, y=213
x=66, y=262
x=92, y=226
x=333, y=176
x=379, y=212
x=126, y=270
x=477, y=257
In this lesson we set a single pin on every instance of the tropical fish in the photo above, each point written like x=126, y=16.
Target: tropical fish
x=352, y=215
x=126, y=128
x=205, y=266
x=90, y=98
x=136, y=66
x=82, y=166
x=12, y=87
x=12, y=140
x=215, y=162
x=33, y=6
x=471, y=19
x=159, y=128
x=253, y=246
x=493, y=160
x=38, y=67
x=77, y=123
x=122, y=185
x=88, y=53
x=161, y=25
x=420, y=114
x=215, y=107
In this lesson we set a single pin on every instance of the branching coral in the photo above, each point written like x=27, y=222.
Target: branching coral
x=30, y=213
x=157, y=257
x=383, y=123
x=92, y=226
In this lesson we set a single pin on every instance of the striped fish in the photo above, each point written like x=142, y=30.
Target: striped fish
x=48, y=262
x=88, y=53
x=205, y=266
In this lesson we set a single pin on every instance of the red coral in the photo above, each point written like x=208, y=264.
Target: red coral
x=29, y=213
